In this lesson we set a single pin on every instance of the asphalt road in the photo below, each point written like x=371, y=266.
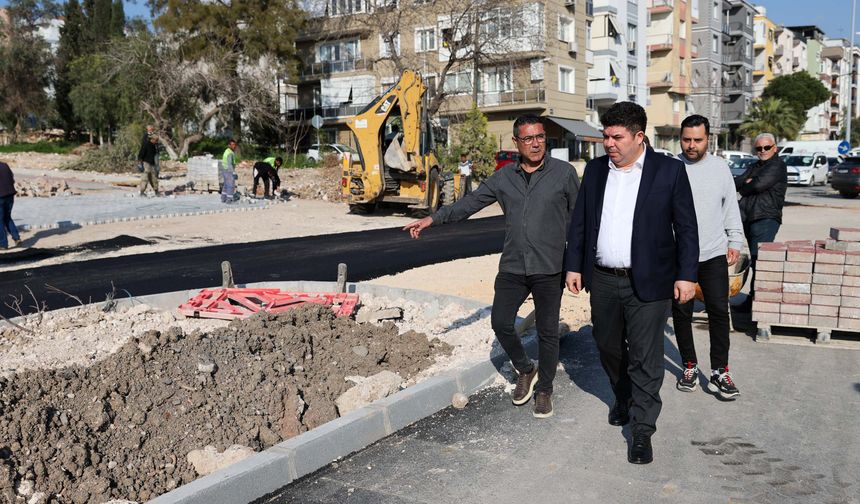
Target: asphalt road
x=368, y=254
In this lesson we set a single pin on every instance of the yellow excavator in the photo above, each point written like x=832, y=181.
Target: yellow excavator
x=396, y=161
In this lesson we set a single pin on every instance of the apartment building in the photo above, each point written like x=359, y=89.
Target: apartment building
x=817, y=125
x=707, y=83
x=738, y=38
x=671, y=50
x=764, y=50
x=617, y=39
x=509, y=57
x=784, y=62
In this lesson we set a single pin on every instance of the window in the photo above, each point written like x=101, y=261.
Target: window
x=715, y=44
x=566, y=80
x=497, y=79
x=344, y=7
x=588, y=34
x=498, y=23
x=632, y=79
x=425, y=39
x=536, y=69
x=430, y=82
x=717, y=9
x=748, y=49
x=676, y=104
x=631, y=37
x=338, y=51
x=683, y=67
x=385, y=45
x=458, y=82
x=565, y=29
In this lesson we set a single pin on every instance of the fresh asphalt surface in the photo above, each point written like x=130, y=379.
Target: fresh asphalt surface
x=792, y=437
x=368, y=254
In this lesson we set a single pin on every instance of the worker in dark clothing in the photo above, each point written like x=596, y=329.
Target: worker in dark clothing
x=148, y=155
x=267, y=170
x=7, y=199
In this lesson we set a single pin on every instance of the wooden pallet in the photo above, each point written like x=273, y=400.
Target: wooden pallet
x=823, y=334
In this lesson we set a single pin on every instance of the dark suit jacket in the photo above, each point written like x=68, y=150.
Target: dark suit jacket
x=665, y=243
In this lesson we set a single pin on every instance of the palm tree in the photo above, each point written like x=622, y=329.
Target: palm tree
x=771, y=115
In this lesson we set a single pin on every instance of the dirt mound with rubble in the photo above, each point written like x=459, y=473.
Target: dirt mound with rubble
x=43, y=187
x=123, y=426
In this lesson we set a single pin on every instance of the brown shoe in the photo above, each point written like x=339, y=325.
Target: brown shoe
x=543, y=405
x=525, y=387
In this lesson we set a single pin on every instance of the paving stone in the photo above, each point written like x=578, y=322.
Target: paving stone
x=829, y=268
x=820, y=299
x=823, y=322
x=794, y=308
x=794, y=297
x=769, y=265
x=851, y=291
x=768, y=285
x=771, y=253
x=848, y=301
x=765, y=307
x=768, y=295
x=769, y=276
x=801, y=254
x=827, y=290
x=829, y=256
x=797, y=267
x=765, y=317
x=845, y=234
x=851, y=281
x=844, y=246
x=800, y=288
x=795, y=278
x=849, y=323
x=849, y=312
x=852, y=258
x=852, y=270
x=794, y=319
x=824, y=278
x=821, y=310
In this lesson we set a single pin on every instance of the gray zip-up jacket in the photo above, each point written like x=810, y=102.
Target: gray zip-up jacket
x=537, y=214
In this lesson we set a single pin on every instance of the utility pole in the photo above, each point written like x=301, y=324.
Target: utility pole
x=850, y=115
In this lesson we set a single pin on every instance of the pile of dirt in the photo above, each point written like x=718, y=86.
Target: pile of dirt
x=123, y=427
x=321, y=183
x=43, y=187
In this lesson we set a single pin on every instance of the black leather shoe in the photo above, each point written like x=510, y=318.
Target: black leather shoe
x=640, y=450
x=619, y=414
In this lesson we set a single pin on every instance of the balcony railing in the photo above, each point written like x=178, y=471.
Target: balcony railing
x=330, y=67
x=739, y=27
x=305, y=113
x=734, y=57
x=659, y=42
x=513, y=97
x=661, y=81
x=661, y=4
x=733, y=115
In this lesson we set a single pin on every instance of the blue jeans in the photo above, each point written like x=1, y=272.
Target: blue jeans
x=6, y=203
x=758, y=232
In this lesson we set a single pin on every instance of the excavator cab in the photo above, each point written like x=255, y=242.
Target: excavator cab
x=397, y=162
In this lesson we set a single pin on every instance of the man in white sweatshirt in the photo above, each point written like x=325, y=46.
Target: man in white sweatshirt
x=721, y=237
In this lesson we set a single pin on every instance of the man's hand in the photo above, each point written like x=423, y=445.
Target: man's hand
x=732, y=256
x=573, y=281
x=684, y=291
x=416, y=227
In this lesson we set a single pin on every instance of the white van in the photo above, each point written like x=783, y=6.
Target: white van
x=807, y=169
x=734, y=155
x=830, y=148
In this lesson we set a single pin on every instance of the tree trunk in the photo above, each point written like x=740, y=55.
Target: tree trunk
x=186, y=144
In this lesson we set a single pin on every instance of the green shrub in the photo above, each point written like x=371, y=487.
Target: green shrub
x=119, y=157
x=42, y=147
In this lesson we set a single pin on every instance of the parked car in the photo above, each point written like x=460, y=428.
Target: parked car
x=733, y=155
x=846, y=177
x=739, y=166
x=506, y=157
x=807, y=169
x=317, y=152
x=664, y=152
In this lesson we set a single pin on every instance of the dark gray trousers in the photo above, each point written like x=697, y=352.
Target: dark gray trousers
x=629, y=335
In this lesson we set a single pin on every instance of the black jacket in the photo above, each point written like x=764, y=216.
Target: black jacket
x=7, y=182
x=148, y=152
x=764, y=195
x=664, y=246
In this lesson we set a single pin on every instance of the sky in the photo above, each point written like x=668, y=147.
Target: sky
x=832, y=16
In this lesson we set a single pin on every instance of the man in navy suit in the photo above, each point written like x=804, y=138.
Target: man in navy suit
x=633, y=244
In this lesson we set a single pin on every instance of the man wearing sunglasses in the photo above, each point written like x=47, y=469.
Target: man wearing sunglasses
x=537, y=196
x=762, y=189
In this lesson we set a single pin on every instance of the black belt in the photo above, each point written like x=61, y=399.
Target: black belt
x=621, y=272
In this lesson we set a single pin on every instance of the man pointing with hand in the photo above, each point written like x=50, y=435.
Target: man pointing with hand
x=633, y=243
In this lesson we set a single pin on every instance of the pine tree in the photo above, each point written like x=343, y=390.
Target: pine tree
x=101, y=21
x=117, y=19
x=71, y=47
x=474, y=139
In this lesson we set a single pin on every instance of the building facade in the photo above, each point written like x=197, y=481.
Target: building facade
x=764, y=49
x=707, y=83
x=617, y=39
x=508, y=57
x=817, y=125
x=671, y=51
x=738, y=60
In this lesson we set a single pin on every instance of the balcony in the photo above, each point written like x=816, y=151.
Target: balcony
x=661, y=81
x=305, y=113
x=739, y=28
x=631, y=89
x=733, y=116
x=322, y=68
x=694, y=51
x=735, y=58
x=589, y=57
x=513, y=97
x=660, y=6
x=659, y=42
x=778, y=51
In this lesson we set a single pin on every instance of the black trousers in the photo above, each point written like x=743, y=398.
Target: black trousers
x=714, y=281
x=467, y=184
x=261, y=171
x=511, y=291
x=629, y=335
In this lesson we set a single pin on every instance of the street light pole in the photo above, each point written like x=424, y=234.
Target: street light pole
x=850, y=114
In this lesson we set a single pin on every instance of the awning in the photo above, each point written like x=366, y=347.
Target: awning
x=580, y=129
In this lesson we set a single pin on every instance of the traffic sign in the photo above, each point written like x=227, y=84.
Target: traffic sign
x=844, y=147
x=317, y=121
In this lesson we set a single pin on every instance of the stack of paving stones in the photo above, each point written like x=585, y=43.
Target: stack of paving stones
x=810, y=284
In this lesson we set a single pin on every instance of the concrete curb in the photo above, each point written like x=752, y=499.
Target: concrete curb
x=267, y=471
x=67, y=224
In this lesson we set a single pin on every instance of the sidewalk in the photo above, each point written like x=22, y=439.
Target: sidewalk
x=43, y=213
x=792, y=437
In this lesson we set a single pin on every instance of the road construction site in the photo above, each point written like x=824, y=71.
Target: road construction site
x=137, y=401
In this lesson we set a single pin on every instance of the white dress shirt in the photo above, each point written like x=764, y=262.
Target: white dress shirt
x=616, y=219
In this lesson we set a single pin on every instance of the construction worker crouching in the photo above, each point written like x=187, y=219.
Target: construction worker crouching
x=267, y=170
